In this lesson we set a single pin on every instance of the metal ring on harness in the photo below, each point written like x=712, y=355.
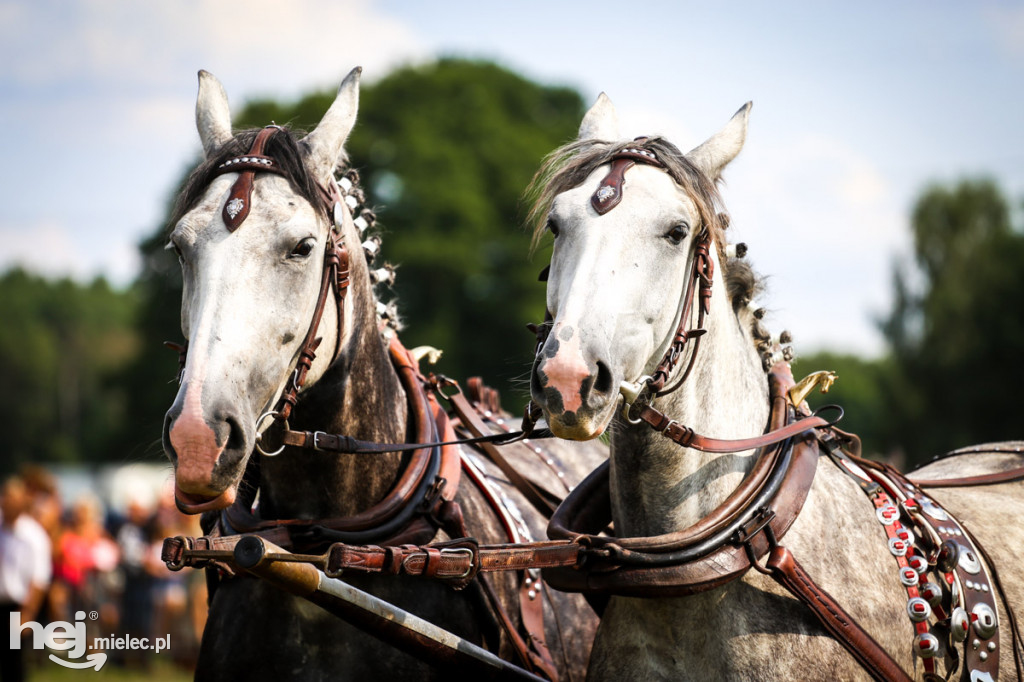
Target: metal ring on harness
x=259, y=434
x=630, y=393
x=837, y=408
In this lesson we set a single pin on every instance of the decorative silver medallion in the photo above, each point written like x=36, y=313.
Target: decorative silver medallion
x=605, y=193
x=897, y=546
x=926, y=644
x=234, y=207
x=969, y=561
x=984, y=619
x=887, y=514
x=918, y=609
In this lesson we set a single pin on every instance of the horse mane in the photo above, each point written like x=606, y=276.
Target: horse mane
x=568, y=166
x=286, y=148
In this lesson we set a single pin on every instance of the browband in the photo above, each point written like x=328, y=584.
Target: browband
x=236, y=208
x=609, y=192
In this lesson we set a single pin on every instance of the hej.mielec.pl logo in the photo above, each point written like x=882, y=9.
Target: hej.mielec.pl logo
x=71, y=637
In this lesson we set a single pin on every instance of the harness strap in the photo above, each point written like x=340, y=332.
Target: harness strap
x=537, y=656
x=537, y=496
x=788, y=572
x=688, y=438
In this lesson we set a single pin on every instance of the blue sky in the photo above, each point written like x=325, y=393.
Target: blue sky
x=857, y=107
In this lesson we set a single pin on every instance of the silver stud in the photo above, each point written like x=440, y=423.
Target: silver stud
x=532, y=594
x=897, y=547
x=991, y=646
x=959, y=624
x=918, y=609
x=975, y=644
x=927, y=645
x=982, y=656
x=985, y=621
x=887, y=514
x=908, y=576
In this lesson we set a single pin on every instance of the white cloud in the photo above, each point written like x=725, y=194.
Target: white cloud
x=265, y=45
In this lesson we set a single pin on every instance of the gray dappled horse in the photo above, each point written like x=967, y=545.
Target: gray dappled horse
x=627, y=220
x=255, y=230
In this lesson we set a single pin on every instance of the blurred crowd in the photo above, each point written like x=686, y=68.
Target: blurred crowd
x=58, y=560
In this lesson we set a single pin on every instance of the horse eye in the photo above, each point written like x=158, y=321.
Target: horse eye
x=303, y=248
x=552, y=226
x=177, y=249
x=678, y=233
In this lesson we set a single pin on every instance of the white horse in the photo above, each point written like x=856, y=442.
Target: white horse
x=616, y=290
x=263, y=236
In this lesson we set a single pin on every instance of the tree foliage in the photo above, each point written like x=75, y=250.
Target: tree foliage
x=956, y=333
x=62, y=345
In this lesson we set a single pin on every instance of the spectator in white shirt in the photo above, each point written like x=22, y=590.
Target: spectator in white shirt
x=25, y=568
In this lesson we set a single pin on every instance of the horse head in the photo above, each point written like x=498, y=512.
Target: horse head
x=627, y=220
x=252, y=249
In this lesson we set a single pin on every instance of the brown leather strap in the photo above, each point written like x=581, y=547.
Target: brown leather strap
x=472, y=421
x=239, y=201
x=1007, y=476
x=688, y=438
x=790, y=574
x=421, y=415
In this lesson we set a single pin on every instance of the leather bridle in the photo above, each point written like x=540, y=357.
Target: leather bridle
x=335, y=275
x=699, y=283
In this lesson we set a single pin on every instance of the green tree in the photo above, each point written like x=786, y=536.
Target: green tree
x=860, y=388
x=444, y=151
x=62, y=345
x=956, y=331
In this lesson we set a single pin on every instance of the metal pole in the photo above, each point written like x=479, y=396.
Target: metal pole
x=401, y=629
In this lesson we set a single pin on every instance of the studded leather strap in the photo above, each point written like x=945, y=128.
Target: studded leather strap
x=236, y=208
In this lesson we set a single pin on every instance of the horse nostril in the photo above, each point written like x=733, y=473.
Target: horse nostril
x=168, y=448
x=603, y=382
x=236, y=435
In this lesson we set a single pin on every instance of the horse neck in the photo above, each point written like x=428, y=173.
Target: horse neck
x=658, y=486
x=360, y=395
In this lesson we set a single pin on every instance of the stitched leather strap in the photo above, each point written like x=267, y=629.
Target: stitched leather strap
x=969, y=481
x=790, y=574
x=688, y=438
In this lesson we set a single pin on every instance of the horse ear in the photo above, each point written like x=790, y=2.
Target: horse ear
x=718, y=150
x=325, y=145
x=601, y=122
x=213, y=117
